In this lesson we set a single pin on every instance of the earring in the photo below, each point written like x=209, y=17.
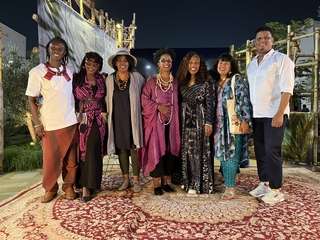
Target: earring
x=230, y=72
x=83, y=67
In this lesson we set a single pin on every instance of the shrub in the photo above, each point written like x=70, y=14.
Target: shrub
x=22, y=158
x=298, y=138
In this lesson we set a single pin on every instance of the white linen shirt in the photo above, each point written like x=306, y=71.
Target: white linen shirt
x=267, y=80
x=58, y=108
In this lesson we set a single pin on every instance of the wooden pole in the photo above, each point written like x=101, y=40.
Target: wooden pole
x=1, y=103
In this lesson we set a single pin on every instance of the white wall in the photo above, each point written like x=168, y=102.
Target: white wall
x=14, y=38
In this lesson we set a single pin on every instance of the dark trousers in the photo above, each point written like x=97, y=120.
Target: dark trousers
x=164, y=166
x=267, y=146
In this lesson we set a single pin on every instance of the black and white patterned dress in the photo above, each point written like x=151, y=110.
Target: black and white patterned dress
x=197, y=162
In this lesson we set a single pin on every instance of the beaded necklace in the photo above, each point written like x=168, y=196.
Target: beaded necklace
x=121, y=84
x=159, y=82
x=50, y=73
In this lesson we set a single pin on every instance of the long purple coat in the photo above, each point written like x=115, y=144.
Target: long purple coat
x=92, y=110
x=154, y=130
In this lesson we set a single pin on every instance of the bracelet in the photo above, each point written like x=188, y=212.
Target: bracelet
x=35, y=126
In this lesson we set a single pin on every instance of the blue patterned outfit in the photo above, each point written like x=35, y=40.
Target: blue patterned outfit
x=232, y=150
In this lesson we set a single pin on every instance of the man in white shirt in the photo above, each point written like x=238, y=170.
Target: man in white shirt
x=271, y=82
x=58, y=129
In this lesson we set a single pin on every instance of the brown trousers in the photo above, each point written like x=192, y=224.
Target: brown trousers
x=59, y=156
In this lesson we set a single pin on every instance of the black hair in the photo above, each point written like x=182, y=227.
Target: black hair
x=78, y=78
x=129, y=59
x=59, y=39
x=184, y=75
x=264, y=28
x=225, y=57
x=160, y=52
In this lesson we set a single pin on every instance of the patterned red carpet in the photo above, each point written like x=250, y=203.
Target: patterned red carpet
x=125, y=215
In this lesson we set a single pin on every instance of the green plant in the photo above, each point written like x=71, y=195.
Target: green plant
x=298, y=137
x=22, y=158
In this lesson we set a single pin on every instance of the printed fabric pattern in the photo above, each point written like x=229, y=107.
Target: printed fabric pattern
x=197, y=163
x=224, y=141
x=93, y=107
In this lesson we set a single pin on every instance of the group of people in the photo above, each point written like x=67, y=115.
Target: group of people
x=162, y=120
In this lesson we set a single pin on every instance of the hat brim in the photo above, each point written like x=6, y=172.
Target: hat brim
x=120, y=53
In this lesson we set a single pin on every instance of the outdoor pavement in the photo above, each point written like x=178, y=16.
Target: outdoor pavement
x=13, y=183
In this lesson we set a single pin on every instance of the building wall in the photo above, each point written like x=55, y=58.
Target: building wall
x=14, y=38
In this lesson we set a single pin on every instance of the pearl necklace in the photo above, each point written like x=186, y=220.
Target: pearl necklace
x=160, y=82
x=121, y=84
x=155, y=92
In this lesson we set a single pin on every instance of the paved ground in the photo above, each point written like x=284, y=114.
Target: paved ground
x=14, y=182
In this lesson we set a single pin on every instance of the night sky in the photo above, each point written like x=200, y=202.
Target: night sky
x=177, y=23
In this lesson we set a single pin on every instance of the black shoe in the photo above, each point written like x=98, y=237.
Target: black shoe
x=167, y=188
x=158, y=191
x=85, y=199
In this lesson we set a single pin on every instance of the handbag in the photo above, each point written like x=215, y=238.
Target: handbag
x=234, y=121
x=82, y=118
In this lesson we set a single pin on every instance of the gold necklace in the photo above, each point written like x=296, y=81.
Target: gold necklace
x=223, y=81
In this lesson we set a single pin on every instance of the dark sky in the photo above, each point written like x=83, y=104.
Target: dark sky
x=177, y=23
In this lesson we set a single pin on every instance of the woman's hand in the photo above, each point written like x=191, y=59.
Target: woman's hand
x=244, y=127
x=164, y=108
x=208, y=130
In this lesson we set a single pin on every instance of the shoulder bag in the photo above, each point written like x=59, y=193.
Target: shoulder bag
x=234, y=121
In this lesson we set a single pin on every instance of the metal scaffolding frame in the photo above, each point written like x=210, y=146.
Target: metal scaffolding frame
x=125, y=36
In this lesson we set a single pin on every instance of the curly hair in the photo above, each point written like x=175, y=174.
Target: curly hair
x=59, y=39
x=225, y=57
x=184, y=75
x=157, y=55
x=78, y=78
x=129, y=59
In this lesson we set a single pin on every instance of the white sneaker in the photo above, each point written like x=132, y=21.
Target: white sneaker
x=260, y=191
x=191, y=191
x=272, y=197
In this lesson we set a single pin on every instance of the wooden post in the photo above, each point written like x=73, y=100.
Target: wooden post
x=316, y=97
x=1, y=103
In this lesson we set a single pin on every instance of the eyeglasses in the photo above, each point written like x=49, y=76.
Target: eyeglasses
x=165, y=60
x=89, y=63
x=263, y=38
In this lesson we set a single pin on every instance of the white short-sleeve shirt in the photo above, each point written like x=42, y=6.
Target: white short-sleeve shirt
x=58, y=108
x=267, y=80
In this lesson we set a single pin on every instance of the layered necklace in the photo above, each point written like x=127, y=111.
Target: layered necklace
x=164, y=87
x=161, y=83
x=122, y=84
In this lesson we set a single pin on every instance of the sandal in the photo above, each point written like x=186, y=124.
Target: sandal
x=227, y=195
